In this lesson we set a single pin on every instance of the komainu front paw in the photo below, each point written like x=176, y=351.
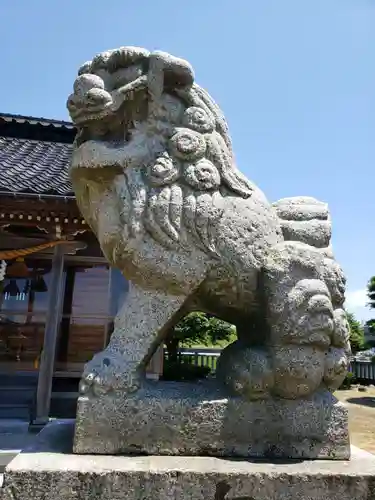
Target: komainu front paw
x=337, y=358
x=336, y=367
x=311, y=313
x=108, y=371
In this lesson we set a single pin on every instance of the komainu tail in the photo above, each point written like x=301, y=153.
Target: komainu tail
x=306, y=220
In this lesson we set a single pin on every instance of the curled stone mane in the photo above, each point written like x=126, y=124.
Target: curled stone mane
x=187, y=181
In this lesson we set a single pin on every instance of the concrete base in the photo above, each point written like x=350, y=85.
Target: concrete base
x=14, y=436
x=169, y=418
x=48, y=469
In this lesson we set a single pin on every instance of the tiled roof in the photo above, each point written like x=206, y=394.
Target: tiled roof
x=34, y=166
x=32, y=120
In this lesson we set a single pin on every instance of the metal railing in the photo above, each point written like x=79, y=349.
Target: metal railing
x=363, y=370
x=199, y=357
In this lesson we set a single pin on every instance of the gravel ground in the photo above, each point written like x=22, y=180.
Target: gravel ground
x=361, y=406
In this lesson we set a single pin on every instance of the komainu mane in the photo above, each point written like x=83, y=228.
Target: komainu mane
x=154, y=175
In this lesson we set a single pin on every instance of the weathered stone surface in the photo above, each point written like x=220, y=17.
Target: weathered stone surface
x=304, y=219
x=49, y=470
x=154, y=175
x=301, y=208
x=198, y=419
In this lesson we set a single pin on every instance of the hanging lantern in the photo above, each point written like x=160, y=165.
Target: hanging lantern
x=18, y=269
x=11, y=290
x=39, y=285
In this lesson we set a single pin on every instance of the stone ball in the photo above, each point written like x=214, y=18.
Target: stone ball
x=341, y=332
x=298, y=370
x=245, y=371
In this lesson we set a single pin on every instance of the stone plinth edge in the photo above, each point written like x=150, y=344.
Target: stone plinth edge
x=48, y=469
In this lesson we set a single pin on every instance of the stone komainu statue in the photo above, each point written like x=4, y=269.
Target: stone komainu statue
x=154, y=175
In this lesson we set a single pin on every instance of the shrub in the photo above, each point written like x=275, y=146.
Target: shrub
x=348, y=381
x=198, y=328
x=184, y=371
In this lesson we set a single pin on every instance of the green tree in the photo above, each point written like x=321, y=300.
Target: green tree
x=371, y=325
x=371, y=304
x=357, y=335
x=197, y=328
x=371, y=292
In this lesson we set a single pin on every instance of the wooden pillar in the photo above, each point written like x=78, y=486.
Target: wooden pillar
x=47, y=361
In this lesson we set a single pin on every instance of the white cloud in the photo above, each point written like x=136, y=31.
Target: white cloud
x=356, y=298
x=356, y=303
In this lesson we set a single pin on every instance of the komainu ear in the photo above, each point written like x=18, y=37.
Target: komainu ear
x=176, y=72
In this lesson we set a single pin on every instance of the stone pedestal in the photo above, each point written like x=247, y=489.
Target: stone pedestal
x=49, y=470
x=169, y=418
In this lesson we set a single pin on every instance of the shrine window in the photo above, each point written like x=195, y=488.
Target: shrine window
x=92, y=296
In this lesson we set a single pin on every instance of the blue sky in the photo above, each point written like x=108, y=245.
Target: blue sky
x=296, y=81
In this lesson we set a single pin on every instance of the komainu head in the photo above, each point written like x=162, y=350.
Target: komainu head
x=125, y=92
x=141, y=115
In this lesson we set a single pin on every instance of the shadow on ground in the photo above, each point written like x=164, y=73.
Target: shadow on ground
x=363, y=401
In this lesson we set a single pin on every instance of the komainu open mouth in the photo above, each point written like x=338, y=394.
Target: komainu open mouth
x=113, y=132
